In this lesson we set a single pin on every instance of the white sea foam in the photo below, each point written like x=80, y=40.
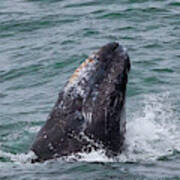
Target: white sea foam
x=18, y=158
x=34, y=129
x=93, y=156
x=153, y=131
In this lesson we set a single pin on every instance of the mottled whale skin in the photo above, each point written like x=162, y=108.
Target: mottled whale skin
x=90, y=110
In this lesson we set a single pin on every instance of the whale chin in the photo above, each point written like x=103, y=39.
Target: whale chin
x=90, y=110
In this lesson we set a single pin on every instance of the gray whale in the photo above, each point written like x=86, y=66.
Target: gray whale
x=90, y=110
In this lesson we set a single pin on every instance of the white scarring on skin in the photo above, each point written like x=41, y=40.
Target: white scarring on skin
x=82, y=74
x=88, y=117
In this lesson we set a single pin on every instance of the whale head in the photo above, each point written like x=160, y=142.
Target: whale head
x=91, y=103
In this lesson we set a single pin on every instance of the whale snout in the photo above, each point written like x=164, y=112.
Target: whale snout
x=113, y=53
x=123, y=53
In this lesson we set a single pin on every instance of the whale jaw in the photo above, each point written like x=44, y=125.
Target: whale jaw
x=90, y=110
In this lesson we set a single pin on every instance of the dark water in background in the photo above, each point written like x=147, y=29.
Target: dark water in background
x=43, y=41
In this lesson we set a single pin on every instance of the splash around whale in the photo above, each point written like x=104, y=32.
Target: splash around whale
x=90, y=110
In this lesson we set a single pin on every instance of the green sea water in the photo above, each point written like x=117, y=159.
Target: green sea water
x=41, y=44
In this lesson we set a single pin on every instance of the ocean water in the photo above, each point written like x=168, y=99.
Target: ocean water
x=41, y=44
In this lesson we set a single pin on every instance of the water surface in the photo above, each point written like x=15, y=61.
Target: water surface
x=41, y=44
